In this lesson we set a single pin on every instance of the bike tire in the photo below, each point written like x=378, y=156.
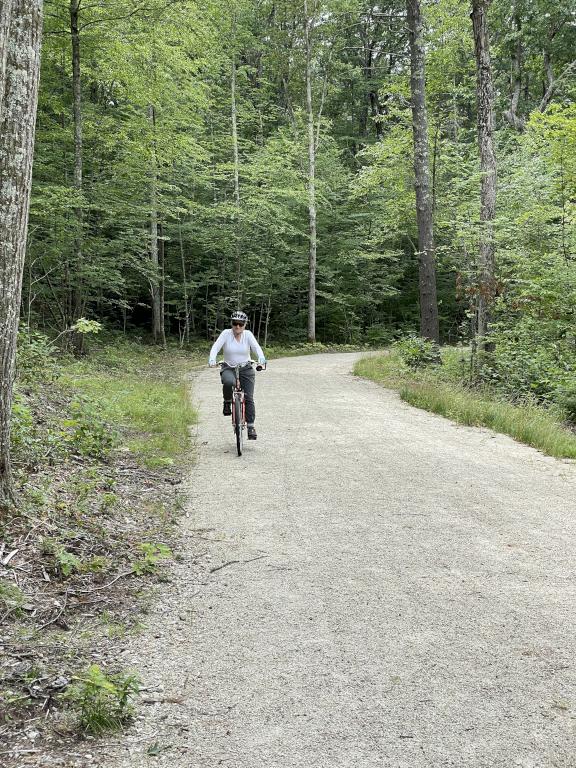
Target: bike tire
x=238, y=424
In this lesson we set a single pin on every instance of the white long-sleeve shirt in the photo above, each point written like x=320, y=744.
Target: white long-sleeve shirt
x=235, y=352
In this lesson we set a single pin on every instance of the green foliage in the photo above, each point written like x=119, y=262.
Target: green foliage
x=151, y=411
x=151, y=556
x=87, y=431
x=36, y=359
x=218, y=252
x=63, y=562
x=566, y=398
x=11, y=597
x=23, y=433
x=526, y=424
x=417, y=352
x=85, y=326
x=103, y=701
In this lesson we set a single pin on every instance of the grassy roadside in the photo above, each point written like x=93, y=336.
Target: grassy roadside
x=100, y=446
x=295, y=350
x=439, y=389
x=141, y=393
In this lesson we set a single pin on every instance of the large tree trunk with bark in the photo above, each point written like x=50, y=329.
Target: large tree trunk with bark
x=485, y=105
x=311, y=180
x=19, y=97
x=427, y=262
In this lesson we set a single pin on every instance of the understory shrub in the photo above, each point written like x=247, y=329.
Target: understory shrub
x=103, y=701
x=418, y=352
x=88, y=433
x=35, y=358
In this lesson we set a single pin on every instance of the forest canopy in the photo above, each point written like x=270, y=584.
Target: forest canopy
x=171, y=167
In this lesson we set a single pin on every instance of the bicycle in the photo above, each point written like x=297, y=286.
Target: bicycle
x=239, y=405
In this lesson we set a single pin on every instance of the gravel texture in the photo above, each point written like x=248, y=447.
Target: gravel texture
x=397, y=591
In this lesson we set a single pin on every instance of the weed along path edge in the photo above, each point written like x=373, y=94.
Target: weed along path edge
x=369, y=585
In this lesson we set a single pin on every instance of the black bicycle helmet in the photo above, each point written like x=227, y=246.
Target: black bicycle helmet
x=242, y=317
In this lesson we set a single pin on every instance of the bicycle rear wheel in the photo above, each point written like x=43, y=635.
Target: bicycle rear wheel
x=238, y=424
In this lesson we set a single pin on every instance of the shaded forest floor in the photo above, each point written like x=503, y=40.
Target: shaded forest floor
x=100, y=447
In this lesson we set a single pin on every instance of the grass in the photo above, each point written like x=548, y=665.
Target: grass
x=439, y=390
x=293, y=350
x=140, y=392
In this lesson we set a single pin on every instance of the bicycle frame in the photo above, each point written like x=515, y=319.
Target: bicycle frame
x=239, y=405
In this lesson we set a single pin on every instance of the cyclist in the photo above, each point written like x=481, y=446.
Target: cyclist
x=236, y=343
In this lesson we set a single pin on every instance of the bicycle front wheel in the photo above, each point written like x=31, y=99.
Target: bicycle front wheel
x=238, y=424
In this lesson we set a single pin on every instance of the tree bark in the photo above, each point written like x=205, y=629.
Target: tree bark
x=186, y=332
x=553, y=82
x=17, y=127
x=78, y=298
x=5, y=22
x=311, y=181
x=511, y=114
x=161, y=283
x=485, y=106
x=234, y=117
x=157, y=320
x=427, y=262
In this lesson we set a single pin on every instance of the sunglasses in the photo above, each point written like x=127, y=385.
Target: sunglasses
x=235, y=322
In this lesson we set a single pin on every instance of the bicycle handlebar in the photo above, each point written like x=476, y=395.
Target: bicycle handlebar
x=259, y=366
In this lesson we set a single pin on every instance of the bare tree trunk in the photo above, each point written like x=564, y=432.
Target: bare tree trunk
x=186, y=333
x=19, y=98
x=267, y=320
x=553, y=82
x=485, y=102
x=511, y=114
x=427, y=262
x=311, y=180
x=161, y=284
x=236, y=179
x=77, y=298
x=157, y=324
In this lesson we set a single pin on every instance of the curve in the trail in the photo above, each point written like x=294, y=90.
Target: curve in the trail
x=368, y=585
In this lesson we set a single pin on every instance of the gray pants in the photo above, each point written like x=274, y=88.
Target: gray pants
x=247, y=378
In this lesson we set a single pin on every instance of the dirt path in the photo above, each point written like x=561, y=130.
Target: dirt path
x=397, y=591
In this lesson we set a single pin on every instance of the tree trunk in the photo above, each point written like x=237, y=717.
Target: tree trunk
x=161, y=283
x=186, y=333
x=157, y=324
x=236, y=181
x=311, y=181
x=19, y=90
x=5, y=22
x=427, y=263
x=77, y=298
x=553, y=82
x=485, y=104
x=511, y=114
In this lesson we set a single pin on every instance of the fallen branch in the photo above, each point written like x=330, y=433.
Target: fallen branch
x=60, y=612
x=231, y=562
x=104, y=586
x=219, y=567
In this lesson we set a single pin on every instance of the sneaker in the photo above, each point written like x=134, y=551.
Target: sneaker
x=227, y=410
x=252, y=433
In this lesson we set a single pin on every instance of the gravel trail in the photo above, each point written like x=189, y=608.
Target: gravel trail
x=369, y=585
